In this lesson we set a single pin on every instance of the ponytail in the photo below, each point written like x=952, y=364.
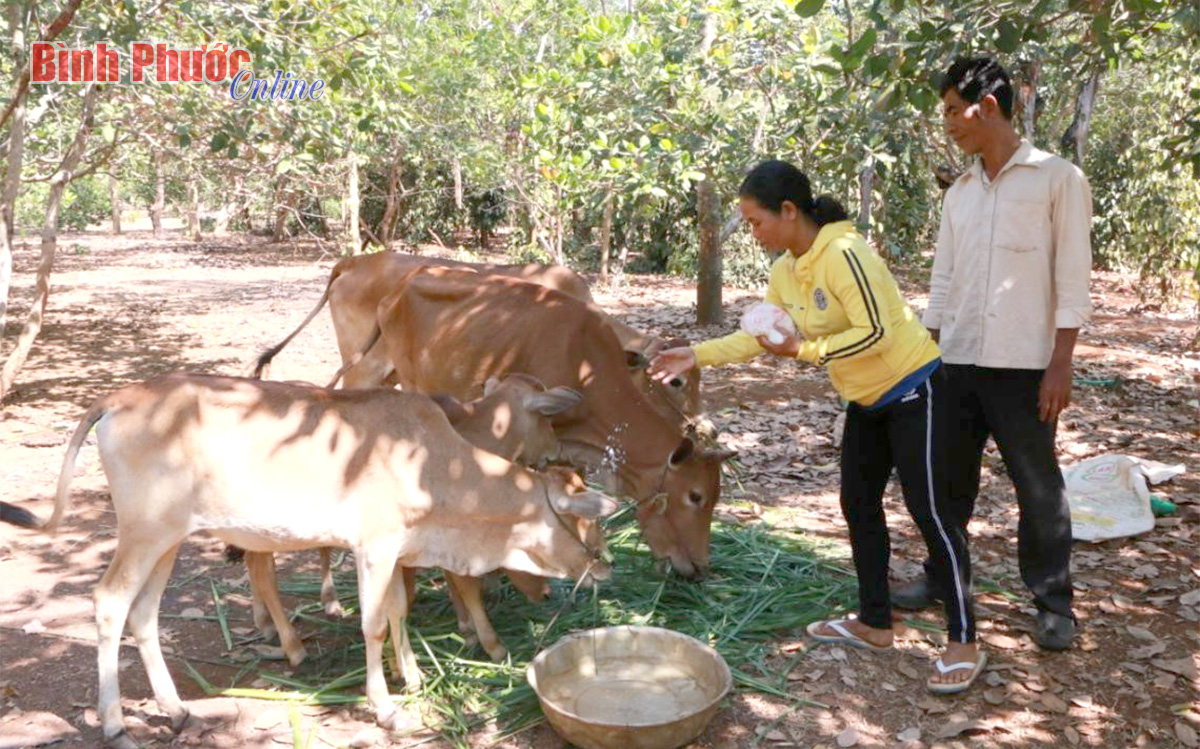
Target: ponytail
x=770, y=183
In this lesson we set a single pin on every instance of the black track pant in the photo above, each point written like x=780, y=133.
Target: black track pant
x=909, y=435
x=1003, y=403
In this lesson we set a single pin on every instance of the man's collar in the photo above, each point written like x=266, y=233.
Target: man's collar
x=1023, y=156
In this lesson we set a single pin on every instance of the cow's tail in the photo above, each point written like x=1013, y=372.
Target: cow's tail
x=19, y=516
x=270, y=353
x=376, y=334
x=94, y=414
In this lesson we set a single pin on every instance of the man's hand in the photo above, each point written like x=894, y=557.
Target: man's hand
x=672, y=362
x=789, y=347
x=1054, y=394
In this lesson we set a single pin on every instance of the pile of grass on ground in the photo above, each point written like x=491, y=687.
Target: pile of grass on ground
x=763, y=584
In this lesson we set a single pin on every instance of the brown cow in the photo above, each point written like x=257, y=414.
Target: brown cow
x=278, y=467
x=358, y=284
x=446, y=329
x=510, y=420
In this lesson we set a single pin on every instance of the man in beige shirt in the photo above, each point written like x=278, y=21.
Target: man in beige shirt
x=1008, y=294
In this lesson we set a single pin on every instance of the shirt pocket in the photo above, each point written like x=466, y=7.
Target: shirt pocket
x=1022, y=226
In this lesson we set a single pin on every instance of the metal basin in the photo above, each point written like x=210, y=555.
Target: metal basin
x=629, y=687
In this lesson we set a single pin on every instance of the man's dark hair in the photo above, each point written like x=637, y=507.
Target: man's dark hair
x=975, y=78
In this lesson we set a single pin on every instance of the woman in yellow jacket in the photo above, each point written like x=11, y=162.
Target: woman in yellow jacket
x=851, y=317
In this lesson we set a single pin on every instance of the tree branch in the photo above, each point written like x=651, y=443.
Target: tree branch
x=60, y=23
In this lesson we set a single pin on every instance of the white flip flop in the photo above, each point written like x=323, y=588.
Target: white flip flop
x=975, y=666
x=843, y=637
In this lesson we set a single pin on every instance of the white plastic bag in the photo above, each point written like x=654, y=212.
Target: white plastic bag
x=766, y=319
x=1109, y=496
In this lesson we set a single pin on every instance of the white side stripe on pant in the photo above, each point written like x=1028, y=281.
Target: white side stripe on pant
x=958, y=591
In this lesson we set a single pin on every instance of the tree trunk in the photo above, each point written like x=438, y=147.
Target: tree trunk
x=114, y=197
x=458, y=184
x=1028, y=97
x=393, y=203
x=353, y=202
x=610, y=200
x=866, y=183
x=281, y=209
x=193, y=210
x=8, y=198
x=160, y=194
x=58, y=183
x=1075, y=139
x=708, y=286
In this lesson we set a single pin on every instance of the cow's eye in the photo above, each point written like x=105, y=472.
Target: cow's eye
x=676, y=383
x=695, y=498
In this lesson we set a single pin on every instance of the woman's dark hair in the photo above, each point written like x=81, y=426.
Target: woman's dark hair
x=975, y=78
x=772, y=182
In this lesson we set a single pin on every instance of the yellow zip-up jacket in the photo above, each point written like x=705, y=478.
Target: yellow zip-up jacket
x=848, y=309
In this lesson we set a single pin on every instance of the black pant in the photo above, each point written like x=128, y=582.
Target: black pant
x=1003, y=403
x=910, y=435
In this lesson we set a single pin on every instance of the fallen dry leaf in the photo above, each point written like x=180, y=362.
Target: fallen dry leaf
x=1186, y=734
x=1072, y=735
x=909, y=734
x=1004, y=642
x=1141, y=633
x=848, y=737
x=1054, y=704
x=1185, y=667
x=933, y=707
x=959, y=727
x=995, y=696
x=191, y=613
x=33, y=627
x=1190, y=599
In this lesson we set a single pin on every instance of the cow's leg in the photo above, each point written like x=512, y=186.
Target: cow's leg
x=534, y=587
x=143, y=624
x=374, y=579
x=329, y=598
x=409, y=577
x=262, y=616
x=471, y=591
x=264, y=587
x=465, y=625
x=374, y=370
x=121, y=585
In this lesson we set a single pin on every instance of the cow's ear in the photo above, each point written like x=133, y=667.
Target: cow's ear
x=452, y=407
x=636, y=360
x=553, y=401
x=588, y=504
x=682, y=453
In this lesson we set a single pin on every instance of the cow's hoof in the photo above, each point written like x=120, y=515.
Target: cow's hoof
x=179, y=720
x=497, y=653
x=297, y=657
x=389, y=721
x=121, y=740
x=334, y=608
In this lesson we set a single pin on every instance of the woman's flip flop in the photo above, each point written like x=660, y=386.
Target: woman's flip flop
x=976, y=669
x=843, y=637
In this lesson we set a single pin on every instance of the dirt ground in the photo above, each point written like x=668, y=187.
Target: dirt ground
x=125, y=308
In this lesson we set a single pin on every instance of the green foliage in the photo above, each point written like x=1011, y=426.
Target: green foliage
x=550, y=107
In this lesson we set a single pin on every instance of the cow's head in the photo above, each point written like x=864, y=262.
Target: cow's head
x=677, y=399
x=577, y=548
x=512, y=419
x=676, y=519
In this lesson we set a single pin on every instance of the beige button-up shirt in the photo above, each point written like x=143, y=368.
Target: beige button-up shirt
x=1014, y=258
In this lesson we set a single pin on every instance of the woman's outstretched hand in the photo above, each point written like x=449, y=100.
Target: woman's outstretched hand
x=789, y=347
x=672, y=362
